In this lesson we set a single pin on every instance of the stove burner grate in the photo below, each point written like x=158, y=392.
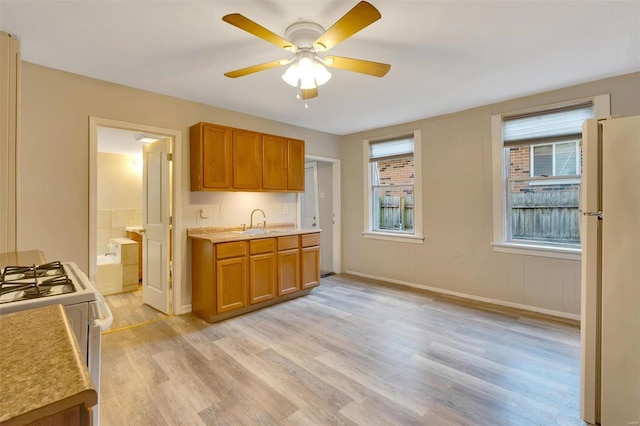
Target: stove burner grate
x=34, y=292
x=31, y=282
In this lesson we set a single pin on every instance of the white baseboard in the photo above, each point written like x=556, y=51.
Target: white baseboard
x=184, y=309
x=558, y=314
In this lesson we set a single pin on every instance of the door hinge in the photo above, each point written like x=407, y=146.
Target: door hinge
x=170, y=220
x=169, y=156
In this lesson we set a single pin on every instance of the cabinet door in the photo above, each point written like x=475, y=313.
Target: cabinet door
x=310, y=267
x=262, y=278
x=295, y=165
x=288, y=271
x=138, y=239
x=274, y=162
x=231, y=284
x=216, y=159
x=247, y=160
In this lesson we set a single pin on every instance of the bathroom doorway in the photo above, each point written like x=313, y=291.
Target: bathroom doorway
x=117, y=222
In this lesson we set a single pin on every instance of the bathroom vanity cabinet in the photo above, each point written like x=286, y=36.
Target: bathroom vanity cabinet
x=234, y=273
x=230, y=159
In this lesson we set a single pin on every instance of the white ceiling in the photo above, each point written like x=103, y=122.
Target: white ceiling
x=445, y=55
x=120, y=141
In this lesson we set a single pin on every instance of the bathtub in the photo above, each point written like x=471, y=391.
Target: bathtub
x=104, y=259
x=109, y=274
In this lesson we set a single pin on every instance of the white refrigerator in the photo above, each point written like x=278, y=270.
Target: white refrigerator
x=610, y=308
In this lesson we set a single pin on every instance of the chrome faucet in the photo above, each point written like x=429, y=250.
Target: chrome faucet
x=264, y=216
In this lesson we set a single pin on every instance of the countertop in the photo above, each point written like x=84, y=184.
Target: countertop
x=42, y=371
x=21, y=258
x=222, y=236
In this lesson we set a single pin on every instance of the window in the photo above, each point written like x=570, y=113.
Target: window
x=392, y=187
x=539, y=181
x=556, y=159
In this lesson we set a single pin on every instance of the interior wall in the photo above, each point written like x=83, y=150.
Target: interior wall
x=119, y=181
x=457, y=197
x=325, y=207
x=119, y=201
x=54, y=162
x=229, y=209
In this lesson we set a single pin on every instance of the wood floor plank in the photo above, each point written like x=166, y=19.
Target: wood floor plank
x=353, y=352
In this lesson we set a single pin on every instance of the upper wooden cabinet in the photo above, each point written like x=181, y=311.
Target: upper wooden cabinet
x=211, y=157
x=228, y=159
x=247, y=160
x=274, y=162
x=295, y=162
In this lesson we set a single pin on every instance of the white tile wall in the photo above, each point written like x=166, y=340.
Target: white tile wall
x=111, y=224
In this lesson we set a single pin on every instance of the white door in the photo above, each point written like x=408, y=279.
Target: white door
x=309, y=199
x=620, y=397
x=156, y=223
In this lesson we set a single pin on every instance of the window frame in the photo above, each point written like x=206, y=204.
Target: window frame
x=415, y=237
x=500, y=167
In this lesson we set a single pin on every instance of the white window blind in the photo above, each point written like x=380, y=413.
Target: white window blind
x=387, y=150
x=547, y=126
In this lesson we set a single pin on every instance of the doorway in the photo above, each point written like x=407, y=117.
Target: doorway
x=128, y=184
x=321, y=200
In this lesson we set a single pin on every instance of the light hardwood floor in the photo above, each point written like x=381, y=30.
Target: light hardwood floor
x=351, y=352
x=128, y=310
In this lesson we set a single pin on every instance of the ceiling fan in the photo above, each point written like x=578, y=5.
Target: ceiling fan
x=307, y=40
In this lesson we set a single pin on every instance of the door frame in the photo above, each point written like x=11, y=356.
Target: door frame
x=311, y=165
x=175, y=211
x=337, y=221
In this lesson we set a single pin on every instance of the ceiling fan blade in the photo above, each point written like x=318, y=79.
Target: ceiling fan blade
x=246, y=24
x=255, y=68
x=361, y=16
x=376, y=69
x=308, y=93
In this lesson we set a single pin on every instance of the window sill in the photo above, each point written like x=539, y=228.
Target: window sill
x=389, y=236
x=542, y=251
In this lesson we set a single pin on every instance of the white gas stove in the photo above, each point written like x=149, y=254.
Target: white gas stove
x=34, y=286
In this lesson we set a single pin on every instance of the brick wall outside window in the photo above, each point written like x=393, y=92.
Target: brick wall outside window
x=400, y=171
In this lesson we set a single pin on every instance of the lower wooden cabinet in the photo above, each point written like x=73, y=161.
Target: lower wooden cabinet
x=310, y=266
x=310, y=260
x=231, y=278
x=231, y=284
x=262, y=270
x=288, y=271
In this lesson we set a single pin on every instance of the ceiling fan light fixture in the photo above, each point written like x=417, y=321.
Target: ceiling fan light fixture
x=292, y=75
x=307, y=82
x=321, y=74
x=306, y=40
x=307, y=72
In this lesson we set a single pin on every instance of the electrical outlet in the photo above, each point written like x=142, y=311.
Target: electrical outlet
x=285, y=210
x=456, y=252
x=204, y=213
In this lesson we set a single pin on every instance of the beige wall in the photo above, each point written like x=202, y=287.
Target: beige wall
x=53, y=172
x=457, y=210
x=119, y=182
x=119, y=186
